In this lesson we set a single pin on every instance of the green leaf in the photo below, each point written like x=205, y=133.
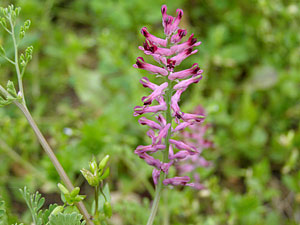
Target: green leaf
x=11, y=89
x=63, y=219
x=44, y=214
x=34, y=203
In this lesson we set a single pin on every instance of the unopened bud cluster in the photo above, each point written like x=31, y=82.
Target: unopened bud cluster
x=97, y=173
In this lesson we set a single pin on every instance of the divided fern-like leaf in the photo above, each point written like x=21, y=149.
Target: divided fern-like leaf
x=34, y=203
x=44, y=214
x=64, y=219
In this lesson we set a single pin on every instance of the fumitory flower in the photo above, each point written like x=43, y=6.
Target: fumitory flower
x=167, y=121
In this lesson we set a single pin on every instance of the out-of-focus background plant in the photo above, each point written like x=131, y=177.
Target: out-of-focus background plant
x=81, y=88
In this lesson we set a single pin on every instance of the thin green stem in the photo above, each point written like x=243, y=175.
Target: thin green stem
x=20, y=82
x=8, y=59
x=96, y=214
x=159, y=186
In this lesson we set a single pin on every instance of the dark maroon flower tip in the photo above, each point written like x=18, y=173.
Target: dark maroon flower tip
x=169, y=20
x=149, y=46
x=188, y=51
x=192, y=40
x=145, y=32
x=139, y=62
x=181, y=33
x=171, y=64
x=147, y=102
x=179, y=13
x=164, y=9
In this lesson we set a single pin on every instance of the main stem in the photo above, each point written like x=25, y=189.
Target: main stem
x=159, y=186
x=60, y=170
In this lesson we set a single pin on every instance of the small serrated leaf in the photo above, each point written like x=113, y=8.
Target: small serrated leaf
x=11, y=89
x=63, y=219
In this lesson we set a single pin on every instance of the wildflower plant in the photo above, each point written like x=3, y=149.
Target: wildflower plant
x=167, y=119
x=70, y=194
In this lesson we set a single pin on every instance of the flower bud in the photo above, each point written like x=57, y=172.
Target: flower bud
x=103, y=162
x=75, y=192
x=105, y=174
x=63, y=189
x=93, y=165
x=91, y=179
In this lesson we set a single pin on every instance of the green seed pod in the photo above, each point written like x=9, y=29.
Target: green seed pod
x=93, y=165
x=103, y=162
x=107, y=209
x=63, y=189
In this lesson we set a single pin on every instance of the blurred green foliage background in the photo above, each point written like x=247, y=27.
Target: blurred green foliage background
x=81, y=88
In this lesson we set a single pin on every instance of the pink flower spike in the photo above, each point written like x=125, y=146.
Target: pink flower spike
x=155, y=175
x=155, y=94
x=178, y=36
x=149, y=123
x=176, y=181
x=139, y=110
x=194, y=70
x=182, y=146
x=176, y=60
x=140, y=63
x=188, y=117
x=162, y=134
x=152, y=38
x=185, y=83
x=146, y=83
x=191, y=42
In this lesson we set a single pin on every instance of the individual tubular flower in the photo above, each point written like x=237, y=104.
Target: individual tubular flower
x=194, y=70
x=178, y=36
x=140, y=63
x=152, y=38
x=163, y=101
x=191, y=42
